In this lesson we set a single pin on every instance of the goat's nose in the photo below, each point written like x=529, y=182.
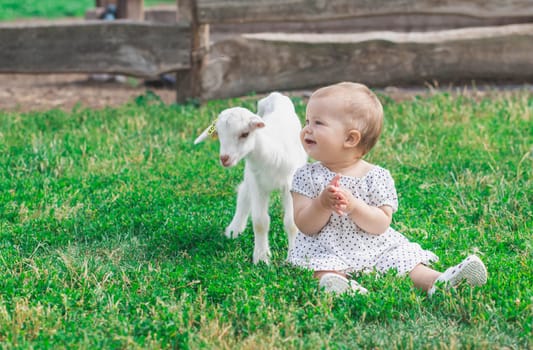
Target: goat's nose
x=224, y=159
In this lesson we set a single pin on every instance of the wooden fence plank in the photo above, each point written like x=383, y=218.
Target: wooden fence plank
x=263, y=62
x=242, y=11
x=397, y=22
x=121, y=47
x=400, y=22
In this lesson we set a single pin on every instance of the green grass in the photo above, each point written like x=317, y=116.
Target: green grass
x=111, y=228
x=16, y=9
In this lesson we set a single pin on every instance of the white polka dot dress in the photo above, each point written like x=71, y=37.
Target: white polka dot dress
x=343, y=246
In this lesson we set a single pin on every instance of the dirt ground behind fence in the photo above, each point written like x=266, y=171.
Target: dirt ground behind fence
x=24, y=92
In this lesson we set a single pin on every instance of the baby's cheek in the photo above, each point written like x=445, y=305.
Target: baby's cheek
x=302, y=133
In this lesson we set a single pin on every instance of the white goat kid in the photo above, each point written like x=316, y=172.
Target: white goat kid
x=270, y=144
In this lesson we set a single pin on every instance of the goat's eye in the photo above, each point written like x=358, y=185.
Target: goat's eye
x=244, y=135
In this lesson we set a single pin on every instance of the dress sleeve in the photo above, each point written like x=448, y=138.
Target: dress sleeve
x=383, y=191
x=302, y=182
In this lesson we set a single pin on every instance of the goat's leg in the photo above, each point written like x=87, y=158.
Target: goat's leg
x=240, y=219
x=261, y=222
x=288, y=217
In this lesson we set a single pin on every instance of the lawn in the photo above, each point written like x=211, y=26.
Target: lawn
x=111, y=228
x=16, y=9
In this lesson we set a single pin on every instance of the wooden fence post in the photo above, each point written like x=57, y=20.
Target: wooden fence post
x=131, y=9
x=189, y=84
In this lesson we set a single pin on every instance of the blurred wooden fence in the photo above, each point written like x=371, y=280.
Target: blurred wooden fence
x=225, y=48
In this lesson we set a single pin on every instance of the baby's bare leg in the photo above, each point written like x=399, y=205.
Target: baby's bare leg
x=423, y=277
x=319, y=274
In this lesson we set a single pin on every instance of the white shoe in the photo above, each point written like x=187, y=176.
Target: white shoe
x=335, y=283
x=356, y=287
x=471, y=269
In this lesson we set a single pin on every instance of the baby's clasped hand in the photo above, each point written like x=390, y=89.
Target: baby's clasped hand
x=334, y=197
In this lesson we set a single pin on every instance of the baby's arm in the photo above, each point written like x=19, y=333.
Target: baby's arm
x=374, y=220
x=312, y=214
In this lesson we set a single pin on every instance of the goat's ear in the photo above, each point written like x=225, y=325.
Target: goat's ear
x=210, y=131
x=256, y=122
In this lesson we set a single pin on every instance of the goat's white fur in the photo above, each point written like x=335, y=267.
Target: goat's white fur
x=269, y=141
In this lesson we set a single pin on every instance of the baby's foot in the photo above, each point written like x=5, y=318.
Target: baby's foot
x=471, y=269
x=335, y=283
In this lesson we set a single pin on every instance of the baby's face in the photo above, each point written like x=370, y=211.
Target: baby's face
x=324, y=132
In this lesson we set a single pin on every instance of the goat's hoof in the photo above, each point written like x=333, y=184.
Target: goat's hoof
x=262, y=257
x=230, y=233
x=263, y=260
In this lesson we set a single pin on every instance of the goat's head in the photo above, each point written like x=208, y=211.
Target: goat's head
x=236, y=129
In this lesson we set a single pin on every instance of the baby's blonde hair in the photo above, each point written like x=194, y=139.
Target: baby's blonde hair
x=362, y=110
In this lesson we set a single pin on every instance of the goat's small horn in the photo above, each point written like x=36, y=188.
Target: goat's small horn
x=211, y=129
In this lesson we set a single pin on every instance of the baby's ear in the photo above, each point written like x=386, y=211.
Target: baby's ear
x=352, y=138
